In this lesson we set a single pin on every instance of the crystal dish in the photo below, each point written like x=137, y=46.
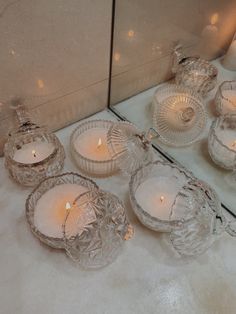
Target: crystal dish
x=225, y=98
x=18, y=151
x=179, y=116
x=222, y=141
x=45, y=186
x=105, y=228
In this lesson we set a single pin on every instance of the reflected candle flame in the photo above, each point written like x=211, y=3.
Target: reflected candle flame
x=234, y=144
x=130, y=33
x=34, y=153
x=40, y=83
x=99, y=143
x=162, y=199
x=117, y=56
x=214, y=18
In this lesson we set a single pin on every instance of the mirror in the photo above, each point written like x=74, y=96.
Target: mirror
x=145, y=34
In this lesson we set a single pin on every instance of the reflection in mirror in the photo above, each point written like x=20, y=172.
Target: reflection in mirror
x=145, y=36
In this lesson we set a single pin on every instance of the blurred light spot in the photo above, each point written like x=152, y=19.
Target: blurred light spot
x=40, y=83
x=130, y=33
x=214, y=18
x=12, y=52
x=116, y=56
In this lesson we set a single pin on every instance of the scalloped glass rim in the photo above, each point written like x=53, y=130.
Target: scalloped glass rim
x=29, y=210
x=109, y=166
x=224, y=86
x=169, y=224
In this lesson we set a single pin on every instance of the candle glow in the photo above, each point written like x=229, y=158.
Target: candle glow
x=162, y=199
x=99, y=143
x=68, y=206
x=34, y=153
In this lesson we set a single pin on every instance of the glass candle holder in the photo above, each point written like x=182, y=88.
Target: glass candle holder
x=166, y=198
x=101, y=226
x=88, y=144
x=225, y=98
x=31, y=152
x=229, y=61
x=47, y=205
x=222, y=141
x=179, y=115
x=194, y=72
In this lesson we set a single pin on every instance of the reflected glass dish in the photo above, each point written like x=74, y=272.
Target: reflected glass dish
x=179, y=116
x=222, y=141
x=225, y=99
x=194, y=72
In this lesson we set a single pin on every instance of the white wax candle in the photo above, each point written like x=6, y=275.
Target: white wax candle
x=50, y=211
x=156, y=195
x=33, y=152
x=92, y=144
x=229, y=103
x=228, y=138
x=230, y=58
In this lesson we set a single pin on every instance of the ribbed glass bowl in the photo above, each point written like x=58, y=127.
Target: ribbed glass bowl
x=179, y=116
x=45, y=186
x=222, y=141
x=104, y=229
x=197, y=74
x=93, y=167
x=30, y=174
x=225, y=98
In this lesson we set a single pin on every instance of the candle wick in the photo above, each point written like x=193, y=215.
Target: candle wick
x=162, y=199
x=99, y=143
x=34, y=153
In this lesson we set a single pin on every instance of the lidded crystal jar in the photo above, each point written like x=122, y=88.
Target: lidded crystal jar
x=194, y=72
x=166, y=198
x=31, y=152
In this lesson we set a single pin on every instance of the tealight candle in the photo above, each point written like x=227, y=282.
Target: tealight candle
x=92, y=144
x=51, y=209
x=89, y=148
x=33, y=152
x=156, y=196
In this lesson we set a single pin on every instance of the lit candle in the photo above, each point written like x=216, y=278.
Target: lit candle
x=228, y=138
x=229, y=100
x=211, y=31
x=92, y=144
x=52, y=207
x=33, y=152
x=156, y=196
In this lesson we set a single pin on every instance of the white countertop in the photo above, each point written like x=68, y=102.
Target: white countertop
x=148, y=277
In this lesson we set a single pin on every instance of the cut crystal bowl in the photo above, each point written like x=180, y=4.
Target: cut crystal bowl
x=222, y=141
x=194, y=72
x=30, y=174
x=225, y=98
x=45, y=186
x=179, y=116
x=100, y=227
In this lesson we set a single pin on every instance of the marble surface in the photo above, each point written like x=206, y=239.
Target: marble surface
x=148, y=277
x=194, y=157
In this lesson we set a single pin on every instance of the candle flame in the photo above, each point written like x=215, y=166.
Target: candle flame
x=214, y=18
x=99, y=143
x=34, y=153
x=162, y=199
x=117, y=56
x=40, y=83
x=130, y=33
x=68, y=206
